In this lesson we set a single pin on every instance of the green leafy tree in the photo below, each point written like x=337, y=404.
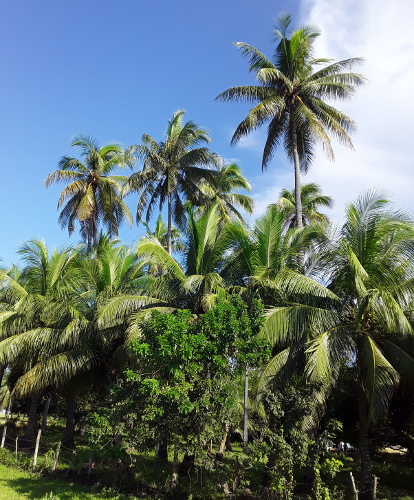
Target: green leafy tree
x=173, y=171
x=293, y=97
x=160, y=233
x=93, y=195
x=263, y=259
x=184, y=388
x=57, y=328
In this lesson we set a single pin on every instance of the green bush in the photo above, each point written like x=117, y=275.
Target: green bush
x=7, y=457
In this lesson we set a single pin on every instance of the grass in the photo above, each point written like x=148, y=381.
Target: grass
x=16, y=484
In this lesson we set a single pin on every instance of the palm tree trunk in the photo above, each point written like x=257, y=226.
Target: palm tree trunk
x=298, y=198
x=245, y=410
x=67, y=439
x=45, y=413
x=366, y=491
x=296, y=165
x=162, y=453
x=30, y=431
x=169, y=224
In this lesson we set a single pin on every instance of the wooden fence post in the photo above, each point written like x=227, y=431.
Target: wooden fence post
x=354, y=490
x=16, y=447
x=4, y=436
x=39, y=433
x=375, y=486
x=55, y=461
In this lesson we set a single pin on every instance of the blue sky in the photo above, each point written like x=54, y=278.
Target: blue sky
x=117, y=69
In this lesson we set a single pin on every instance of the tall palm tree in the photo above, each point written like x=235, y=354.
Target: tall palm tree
x=311, y=198
x=292, y=97
x=362, y=319
x=221, y=190
x=93, y=195
x=173, y=171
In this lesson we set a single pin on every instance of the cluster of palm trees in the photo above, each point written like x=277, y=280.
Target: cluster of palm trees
x=334, y=299
x=68, y=316
x=175, y=171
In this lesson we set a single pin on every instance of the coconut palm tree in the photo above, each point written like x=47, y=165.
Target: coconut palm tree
x=160, y=233
x=54, y=331
x=196, y=284
x=292, y=96
x=93, y=195
x=221, y=190
x=173, y=171
x=311, y=198
x=259, y=257
x=362, y=319
x=37, y=306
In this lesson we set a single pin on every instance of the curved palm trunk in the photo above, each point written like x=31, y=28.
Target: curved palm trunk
x=169, y=224
x=366, y=490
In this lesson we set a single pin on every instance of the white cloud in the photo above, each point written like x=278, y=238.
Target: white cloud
x=253, y=142
x=381, y=33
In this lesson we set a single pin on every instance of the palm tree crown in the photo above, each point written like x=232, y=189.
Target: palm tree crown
x=312, y=198
x=173, y=169
x=221, y=190
x=292, y=98
x=93, y=194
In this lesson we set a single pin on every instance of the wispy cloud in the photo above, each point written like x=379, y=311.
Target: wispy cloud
x=253, y=142
x=381, y=33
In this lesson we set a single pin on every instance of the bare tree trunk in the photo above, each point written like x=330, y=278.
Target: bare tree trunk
x=366, y=490
x=229, y=447
x=67, y=439
x=45, y=413
x=30, y=431
x=169, y=224
x=246, y=408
